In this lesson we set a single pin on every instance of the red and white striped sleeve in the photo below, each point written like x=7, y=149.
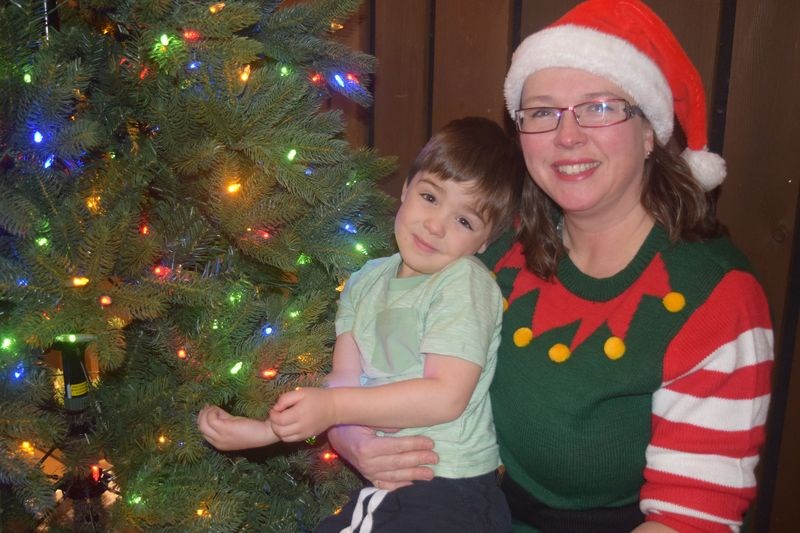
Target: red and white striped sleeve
x=709, y=414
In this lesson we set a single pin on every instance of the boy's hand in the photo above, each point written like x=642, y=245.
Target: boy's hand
x=227, y=432
x=302, y=413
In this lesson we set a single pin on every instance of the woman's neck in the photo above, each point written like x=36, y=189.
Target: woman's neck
x=603, y=248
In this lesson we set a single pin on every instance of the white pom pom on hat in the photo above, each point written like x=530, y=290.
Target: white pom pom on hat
x=625, y=42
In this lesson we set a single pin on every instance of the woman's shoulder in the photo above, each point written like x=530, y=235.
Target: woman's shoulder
x=719, y=255
x=498, y=249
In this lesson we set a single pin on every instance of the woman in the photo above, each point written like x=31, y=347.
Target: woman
x=633, y=376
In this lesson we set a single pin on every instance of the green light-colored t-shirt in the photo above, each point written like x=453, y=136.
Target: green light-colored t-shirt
x=455, y=312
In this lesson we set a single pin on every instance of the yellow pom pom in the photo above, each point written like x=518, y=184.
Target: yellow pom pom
x=523, y=337
x=674, y=302
x=505, y=304
x=559, y=353
x=614, y=348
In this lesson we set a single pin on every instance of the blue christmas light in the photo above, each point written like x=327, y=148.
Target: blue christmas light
x=194, y=65
x=349, y=228
x=38, y=137
x=309, y=171
x=22, y=282
x=19, y=371
x=267, y=330
x=49, y=161
x=339, y=80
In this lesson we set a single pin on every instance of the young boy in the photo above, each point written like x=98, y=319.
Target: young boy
x=416, y=346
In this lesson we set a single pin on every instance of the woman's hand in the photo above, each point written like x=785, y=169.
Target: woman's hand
x=388, y=462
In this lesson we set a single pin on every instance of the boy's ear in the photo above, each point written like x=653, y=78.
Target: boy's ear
x=483, y=247
x=403, y=192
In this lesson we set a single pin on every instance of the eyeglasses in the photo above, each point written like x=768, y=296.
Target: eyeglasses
x=594, y=114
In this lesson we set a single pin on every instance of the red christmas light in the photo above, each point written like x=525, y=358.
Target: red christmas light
x=182, y=353
x=352, y=77
x=329, y=456
x=143, y=73
x=162, y=271
x=269, y=373
x=191, y=35
x=317, y=78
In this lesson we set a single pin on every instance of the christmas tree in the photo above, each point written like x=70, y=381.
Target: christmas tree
x=178, y=208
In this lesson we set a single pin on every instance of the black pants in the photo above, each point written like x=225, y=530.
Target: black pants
x=440, y=505
x=525, y=508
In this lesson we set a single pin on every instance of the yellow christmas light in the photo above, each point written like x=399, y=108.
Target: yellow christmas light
x=216, y=8
x=27, y=447
x=336, y=26
x=79, y=281
x=233, y=188
x=245, y=73
x=93, y=204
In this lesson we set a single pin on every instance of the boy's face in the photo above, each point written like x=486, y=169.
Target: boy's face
x=437, y=223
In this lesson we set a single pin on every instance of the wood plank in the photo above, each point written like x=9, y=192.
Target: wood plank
x=760, y=196
x=472, y=48
x=402, y=99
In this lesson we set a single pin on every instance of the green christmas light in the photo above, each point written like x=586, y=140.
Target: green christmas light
x=235, y=368
x=235, y=297
x=294, y=314
x=285, y=71
x=291, y=155
x=164, y=39
x=27, y=78
x=135, y=500
x=7, y=343
x=215, y=324
x=42, y=241
x=304, y=259
x=361, y=248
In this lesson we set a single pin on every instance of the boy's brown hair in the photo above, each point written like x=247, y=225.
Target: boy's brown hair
x=477, y=151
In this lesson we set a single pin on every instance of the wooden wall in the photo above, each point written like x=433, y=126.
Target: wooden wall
x=443, y=59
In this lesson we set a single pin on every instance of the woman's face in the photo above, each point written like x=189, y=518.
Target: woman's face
x=595, y=173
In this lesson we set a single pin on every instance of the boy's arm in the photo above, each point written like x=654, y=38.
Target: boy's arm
x=227, y=432
x=346, y=371
x=439, y=396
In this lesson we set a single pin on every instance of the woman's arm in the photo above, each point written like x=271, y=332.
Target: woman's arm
x=387, y=462
x=710, y=411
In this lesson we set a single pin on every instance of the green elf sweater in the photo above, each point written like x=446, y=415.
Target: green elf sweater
x=651, y=385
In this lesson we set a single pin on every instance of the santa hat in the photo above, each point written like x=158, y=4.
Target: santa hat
x=625, y=42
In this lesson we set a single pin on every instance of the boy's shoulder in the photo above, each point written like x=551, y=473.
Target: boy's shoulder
x=468, y=269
